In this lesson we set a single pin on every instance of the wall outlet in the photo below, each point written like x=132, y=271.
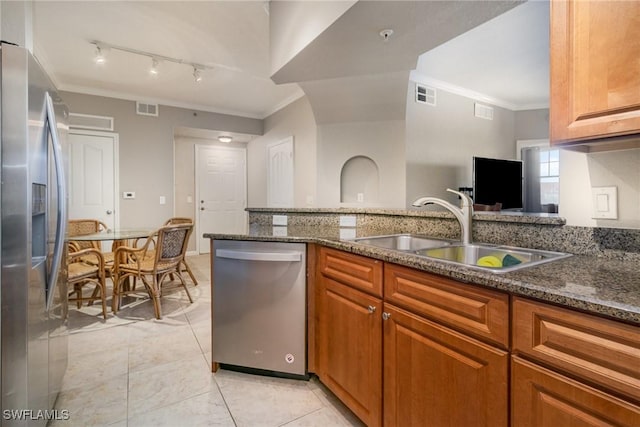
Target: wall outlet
x=189, y=199
x=347, y=220
x=129, y=195
x=279, y=220
x=360, y=197
x=163, y=200
x=310, y=200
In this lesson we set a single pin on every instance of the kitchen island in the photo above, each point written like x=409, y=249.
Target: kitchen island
x=461, y=346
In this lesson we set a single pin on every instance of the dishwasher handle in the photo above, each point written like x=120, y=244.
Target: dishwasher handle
x=286, y=256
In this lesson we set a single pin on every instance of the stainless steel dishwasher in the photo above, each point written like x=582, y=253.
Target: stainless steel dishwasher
x=259, y=306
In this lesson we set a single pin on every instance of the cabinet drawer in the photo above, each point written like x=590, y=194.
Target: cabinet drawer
x=353, y=270
x=480, y=312
x=542, y=398
x=599, y=350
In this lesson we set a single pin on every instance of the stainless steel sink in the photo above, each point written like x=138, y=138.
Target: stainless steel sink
x=494, y=258
x=403, y=242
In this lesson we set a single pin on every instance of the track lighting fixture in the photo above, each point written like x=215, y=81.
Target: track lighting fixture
x=196, y=75
x=100, y=56
x=102, y=47
x=154, y=67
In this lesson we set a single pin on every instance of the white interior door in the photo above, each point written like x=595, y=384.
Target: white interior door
x=93, y=178
x=221, y=191
x=280, y=174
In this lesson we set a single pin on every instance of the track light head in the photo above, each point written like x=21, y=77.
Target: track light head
x=100, y=55
x=197, y=74
x=154, y=67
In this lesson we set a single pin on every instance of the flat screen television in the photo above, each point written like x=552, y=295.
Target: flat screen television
x=497, y=181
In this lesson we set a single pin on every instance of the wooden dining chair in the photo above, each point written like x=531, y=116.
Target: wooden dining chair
x=82, y=273
x=80, y=227
x=170, y=249
x=183, y=263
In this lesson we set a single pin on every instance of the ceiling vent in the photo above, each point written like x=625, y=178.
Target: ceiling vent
x=86, y=121
x=483, y=111
x=147, y=109
x=425, y=95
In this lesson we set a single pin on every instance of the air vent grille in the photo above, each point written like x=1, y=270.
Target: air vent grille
x=425, y=95
x=483, y=111
x=147, y=109
x=86, y=121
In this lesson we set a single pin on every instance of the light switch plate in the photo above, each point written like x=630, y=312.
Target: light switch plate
x=605, y=202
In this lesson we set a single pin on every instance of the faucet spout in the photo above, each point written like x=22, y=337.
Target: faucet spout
x=464, y=214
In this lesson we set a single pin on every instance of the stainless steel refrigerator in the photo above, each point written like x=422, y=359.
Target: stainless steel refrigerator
x=33, y=284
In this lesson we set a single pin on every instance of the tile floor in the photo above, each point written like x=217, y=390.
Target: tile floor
x=133, y=370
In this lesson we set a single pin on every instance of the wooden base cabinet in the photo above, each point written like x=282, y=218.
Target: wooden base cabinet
x=434, y=376
x=543, y=398
x=350, y=348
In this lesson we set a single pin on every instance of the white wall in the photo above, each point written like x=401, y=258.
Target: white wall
x=381, y=141
x=146, y=150
x=442, y=140
x=579, y=172
x=295, y=120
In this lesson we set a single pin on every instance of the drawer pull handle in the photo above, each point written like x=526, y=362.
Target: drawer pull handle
x=386, y=316
x=371, y=309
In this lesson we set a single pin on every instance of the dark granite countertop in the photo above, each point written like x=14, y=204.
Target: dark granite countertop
x=603, y=286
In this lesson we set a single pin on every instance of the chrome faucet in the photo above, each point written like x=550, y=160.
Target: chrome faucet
x=463, y=214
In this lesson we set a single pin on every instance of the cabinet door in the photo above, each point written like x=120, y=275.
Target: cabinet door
x=542, y=398
x=595, y=58
x=350, y=348
x=438, y=377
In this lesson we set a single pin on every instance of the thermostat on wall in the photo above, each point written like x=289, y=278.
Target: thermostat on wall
x=129, y=195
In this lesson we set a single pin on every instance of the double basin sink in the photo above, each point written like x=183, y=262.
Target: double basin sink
x=486, y=257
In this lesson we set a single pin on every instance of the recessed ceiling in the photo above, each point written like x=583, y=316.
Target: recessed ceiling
x=506, y=58
x=231, y=37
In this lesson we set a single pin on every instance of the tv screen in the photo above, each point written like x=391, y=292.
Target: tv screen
x=497, y=181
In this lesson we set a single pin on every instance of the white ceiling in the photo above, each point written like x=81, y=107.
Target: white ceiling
x=232, y=37
x=506, y=58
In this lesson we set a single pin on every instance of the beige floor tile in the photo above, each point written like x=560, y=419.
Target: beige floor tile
x=265, y=401
x=206, y=409
x=170, y=383
x=95, y=367
x=99, y=340
x=322, y=418
x=203, y=335
x=329, y=400
x=176, y=344
x=96, y=404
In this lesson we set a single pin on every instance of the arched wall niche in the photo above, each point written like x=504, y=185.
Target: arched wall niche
x=359, y=181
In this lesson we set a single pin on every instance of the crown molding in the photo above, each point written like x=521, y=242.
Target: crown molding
x=167, y=102
x=418, y=77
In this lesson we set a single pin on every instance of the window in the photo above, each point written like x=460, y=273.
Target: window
x=549, y=176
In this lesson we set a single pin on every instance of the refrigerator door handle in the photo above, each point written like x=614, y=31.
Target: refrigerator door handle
x=61, y=228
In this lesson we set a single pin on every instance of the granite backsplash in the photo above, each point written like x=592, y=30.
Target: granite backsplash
x=543, y=231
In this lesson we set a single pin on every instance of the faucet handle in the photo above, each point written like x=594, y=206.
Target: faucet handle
x=466, y=200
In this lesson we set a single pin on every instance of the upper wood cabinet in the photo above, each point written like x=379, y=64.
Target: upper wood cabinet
x=595, y=72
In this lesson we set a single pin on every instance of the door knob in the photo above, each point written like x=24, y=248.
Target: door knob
x=386, y=316
x=109, y=211
x=201, y=201
x=201, y=209
x=371, y=309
